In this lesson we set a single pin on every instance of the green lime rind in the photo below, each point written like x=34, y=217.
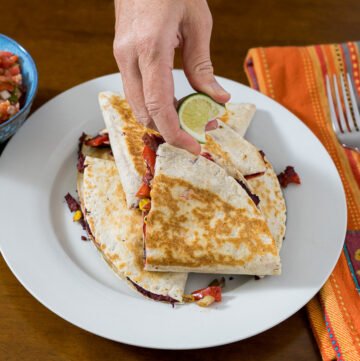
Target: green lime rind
x=195, y=111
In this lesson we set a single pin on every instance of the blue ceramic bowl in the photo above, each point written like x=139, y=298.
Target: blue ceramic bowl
x=30, y=80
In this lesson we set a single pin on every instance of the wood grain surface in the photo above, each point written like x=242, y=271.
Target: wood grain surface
x=71, y=42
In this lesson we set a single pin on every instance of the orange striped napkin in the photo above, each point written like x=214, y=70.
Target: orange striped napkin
x=295, y=77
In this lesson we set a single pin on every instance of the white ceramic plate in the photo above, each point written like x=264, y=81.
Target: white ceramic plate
x=42, y=245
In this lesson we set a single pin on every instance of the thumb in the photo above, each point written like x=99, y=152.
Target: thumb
x=198, y=67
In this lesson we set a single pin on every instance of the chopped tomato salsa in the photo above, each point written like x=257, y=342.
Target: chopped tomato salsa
x=149, y=156
x=214, y=291
x=151, y=144
x=153, y=141
x=11, y=87
x=98, y=141
x=144, y=191
x=288, y=176
x=207, y=156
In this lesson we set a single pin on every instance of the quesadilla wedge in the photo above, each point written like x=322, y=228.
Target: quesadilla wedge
x=241, y=159
x=126, y=142
x=271, y=201
x=230, y=150
x=238, y=116
x=85, y=150
x=199, y=219
x=116, y=231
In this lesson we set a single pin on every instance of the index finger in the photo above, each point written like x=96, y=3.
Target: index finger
x=158, y=86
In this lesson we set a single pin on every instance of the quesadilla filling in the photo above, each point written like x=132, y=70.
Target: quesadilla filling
x=253, y=196
x=151, y=144
x=288, y=176
x=151, y=295
x=254, y=175
x=99, y=141
x=204, y=297
x=78, y=216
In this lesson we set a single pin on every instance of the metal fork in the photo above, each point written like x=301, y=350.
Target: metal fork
x=345, y=124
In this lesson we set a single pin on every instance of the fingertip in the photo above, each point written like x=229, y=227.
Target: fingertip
x=218, y=93
x=194, y=148
x=185, y=141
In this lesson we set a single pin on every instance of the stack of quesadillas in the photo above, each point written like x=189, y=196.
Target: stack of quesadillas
x=156, y=212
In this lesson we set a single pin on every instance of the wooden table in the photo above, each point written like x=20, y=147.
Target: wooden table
x=71, y=42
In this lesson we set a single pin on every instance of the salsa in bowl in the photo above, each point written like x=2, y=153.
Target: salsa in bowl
x=18, y=86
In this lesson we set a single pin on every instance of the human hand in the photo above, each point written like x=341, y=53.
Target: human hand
x=146, y=35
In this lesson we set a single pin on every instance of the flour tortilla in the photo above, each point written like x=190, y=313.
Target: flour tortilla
x=202, y=220
x=272, y=202
x=125, y=134
x=266, y=186
x=117, y=233
x=229, y=149
x=102, y=153
x=239, y=116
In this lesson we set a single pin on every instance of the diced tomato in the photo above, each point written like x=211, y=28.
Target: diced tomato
x=5, y=53
x=214, y=291
x=4, y=78
x=15, y=69
x=4, y=105
x=7, y=62
x=13, y=58
x=207, y=155
x=149, y=156
x=6, y=86
x=101, y=139
x=10, y=80
x=144, y=191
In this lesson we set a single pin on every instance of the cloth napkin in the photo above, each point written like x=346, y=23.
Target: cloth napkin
x=295, y=77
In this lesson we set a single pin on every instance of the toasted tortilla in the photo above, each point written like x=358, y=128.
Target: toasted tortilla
x=229, y=152
x=202, y=220
x=272, y=202
x=102, y=153
x=239, y=116
x=125, y=135
x=117, y=233
x=229, y=149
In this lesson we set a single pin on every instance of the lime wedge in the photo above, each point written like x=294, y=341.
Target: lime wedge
x=195, y=111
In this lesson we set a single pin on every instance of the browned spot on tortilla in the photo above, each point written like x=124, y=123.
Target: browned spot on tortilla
x=133, y=130
x=215, y=149
x=170, y=228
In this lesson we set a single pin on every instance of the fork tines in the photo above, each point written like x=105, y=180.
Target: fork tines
x=343, y=121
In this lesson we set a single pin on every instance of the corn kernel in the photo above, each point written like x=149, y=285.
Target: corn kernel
x=188, y=298
x=206, y=301
x=77, y=216
x=143, y=203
